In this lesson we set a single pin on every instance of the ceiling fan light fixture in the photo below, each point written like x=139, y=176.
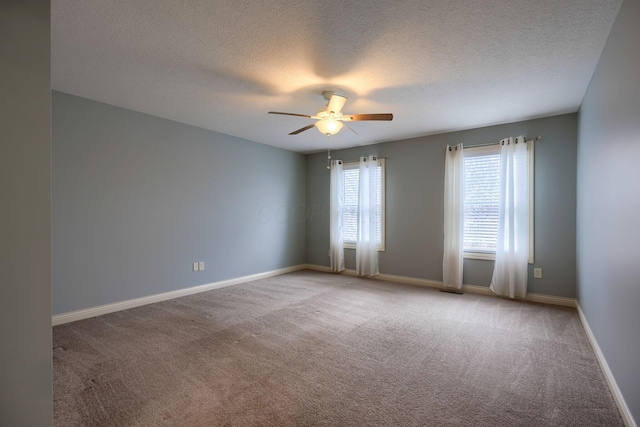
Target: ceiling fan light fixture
x=329, y=126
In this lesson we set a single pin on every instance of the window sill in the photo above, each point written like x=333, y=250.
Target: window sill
x=487, y=256
x=491, y=256
x=353, y=246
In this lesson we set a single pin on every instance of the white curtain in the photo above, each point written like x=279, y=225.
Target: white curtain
x=336, y=196
x=366, y=245
x=510, y=271
x=453, y=217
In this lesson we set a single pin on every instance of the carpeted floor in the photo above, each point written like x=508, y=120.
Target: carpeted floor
x=310, y=348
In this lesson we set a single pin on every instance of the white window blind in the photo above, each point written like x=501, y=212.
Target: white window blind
x=350, y=207
x=481, y=199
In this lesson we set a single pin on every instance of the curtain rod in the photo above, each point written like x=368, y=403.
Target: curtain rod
x=496, y=143
x=354, y=161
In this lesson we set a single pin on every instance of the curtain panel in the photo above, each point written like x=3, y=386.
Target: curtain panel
x=366, y=244
x=510, y=271
x=452, y=259
x=336, y=202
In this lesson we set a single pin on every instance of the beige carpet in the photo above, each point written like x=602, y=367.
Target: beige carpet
x=311, y=348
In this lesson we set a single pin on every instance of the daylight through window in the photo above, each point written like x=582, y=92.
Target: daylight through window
x=350, y=207
x=482, y=201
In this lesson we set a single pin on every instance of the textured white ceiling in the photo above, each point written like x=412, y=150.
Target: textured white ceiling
x=436, y=65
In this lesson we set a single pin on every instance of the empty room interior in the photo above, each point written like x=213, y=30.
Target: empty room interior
x=320, y=213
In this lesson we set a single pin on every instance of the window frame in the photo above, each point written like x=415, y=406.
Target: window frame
x=492, y=149
x=381, y=164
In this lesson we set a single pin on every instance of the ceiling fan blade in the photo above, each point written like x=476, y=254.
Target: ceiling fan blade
x=336, y=103
x=362, y=117
x=290, y=114
x=295, y=132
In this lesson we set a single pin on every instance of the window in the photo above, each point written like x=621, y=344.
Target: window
x=482, y=201
x=350, y=207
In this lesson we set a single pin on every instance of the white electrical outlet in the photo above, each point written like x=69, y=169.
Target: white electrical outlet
x=196, y=266
x=537, y=273
x=201, y=265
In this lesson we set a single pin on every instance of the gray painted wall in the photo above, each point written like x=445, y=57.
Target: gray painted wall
x=25, y=216
x=415, y=207
x=609, y=203
x=137, y=199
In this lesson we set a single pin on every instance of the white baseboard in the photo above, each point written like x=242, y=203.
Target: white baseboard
x=541, y=298
x=472, y=289
x=387, y=277
x=315, y=267
x=551, y=299
x=611, y=381
x=72, y=316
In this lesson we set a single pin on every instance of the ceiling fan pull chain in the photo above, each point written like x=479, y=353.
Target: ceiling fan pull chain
x=328, y=154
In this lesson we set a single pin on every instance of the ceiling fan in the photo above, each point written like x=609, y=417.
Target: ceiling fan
x=330, y=118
